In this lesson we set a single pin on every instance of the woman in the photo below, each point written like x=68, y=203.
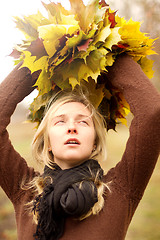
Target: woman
x=125, y=183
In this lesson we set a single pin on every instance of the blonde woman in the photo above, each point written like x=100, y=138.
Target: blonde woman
x=73, y=199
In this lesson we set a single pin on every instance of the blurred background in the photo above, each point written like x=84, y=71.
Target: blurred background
x=146, y=221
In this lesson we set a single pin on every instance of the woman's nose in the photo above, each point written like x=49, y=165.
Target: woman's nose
x=72, y=128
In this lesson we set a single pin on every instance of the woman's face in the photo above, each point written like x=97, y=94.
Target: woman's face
x=71, y=134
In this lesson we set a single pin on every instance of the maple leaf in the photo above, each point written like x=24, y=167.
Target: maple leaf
x=102, y=34
x=96, y=94
x=75, y=40
x=26, y=28
x=55, y=11
x=37, y=107
x=52, y=33
x=28, y=25
x=146, y=65
x=15, y=53
x=73, y=82
x=43, y=82
x=96, y=61
x=111, y=17
x=86, y=15
x=37, y=49
x=113, y=39
x=60, y=81
x=31, y=63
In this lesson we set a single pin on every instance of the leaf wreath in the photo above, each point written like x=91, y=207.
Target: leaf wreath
x=73, y=48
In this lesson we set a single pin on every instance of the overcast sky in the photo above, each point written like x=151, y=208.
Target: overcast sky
x=9, y=35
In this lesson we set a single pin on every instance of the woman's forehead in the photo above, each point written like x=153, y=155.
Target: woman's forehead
x=72, y=108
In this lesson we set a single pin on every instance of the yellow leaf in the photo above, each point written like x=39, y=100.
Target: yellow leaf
x=103, y=34
x=73, y=81
x=132, y=29
x=109, y=59
x=103, y=51
x=43, y=82
x=120, y=21
x=146, y=65
x=85, y=72
x=113, y=38
x=124, y=112
x=68, y=20
x=51, y=34
x=86, y=15
x=33, y=64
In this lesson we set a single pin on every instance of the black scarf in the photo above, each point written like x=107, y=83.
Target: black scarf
x=73, y=192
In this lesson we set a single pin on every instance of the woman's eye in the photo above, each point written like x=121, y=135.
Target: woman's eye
x=84, y=122
x=60, y=122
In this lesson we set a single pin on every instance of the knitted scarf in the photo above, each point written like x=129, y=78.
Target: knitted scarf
x=71, y=192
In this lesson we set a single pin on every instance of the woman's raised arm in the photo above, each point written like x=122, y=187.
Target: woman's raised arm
x=133, y=172
x=13, y=167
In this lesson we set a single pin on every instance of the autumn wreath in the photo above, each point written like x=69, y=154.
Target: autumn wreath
x=73, y=48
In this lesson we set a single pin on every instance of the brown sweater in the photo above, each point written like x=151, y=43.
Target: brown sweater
x=128, y=178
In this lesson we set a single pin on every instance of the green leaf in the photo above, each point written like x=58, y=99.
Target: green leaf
x=71, y=70
x=43, y=82
x=95, y=94
x=75, y=40
x=58, y=79
x=96, y=61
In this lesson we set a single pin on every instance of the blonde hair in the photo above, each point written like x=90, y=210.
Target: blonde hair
x=40, y=142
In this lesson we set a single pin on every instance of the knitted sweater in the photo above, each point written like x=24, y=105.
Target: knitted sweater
x=128, y=179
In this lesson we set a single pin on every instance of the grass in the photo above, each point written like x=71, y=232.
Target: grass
x=146, y=221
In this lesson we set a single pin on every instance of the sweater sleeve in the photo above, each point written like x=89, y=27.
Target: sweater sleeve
x=13, y=168
x=134, y=170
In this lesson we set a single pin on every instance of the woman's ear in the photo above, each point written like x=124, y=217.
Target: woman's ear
x=94, y=147
x=49, y=148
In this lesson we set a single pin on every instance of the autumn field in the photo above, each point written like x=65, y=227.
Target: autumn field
x=146, y=222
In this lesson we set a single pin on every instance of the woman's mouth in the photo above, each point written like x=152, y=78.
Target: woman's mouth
x=72, y=141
